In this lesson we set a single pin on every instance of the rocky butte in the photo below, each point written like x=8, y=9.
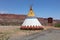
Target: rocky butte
x=15, y=19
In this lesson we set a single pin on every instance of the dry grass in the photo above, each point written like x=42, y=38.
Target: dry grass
x=6, y=31
x=13, y=31
x=51, y=27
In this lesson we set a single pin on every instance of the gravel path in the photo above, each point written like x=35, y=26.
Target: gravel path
x=50, y=34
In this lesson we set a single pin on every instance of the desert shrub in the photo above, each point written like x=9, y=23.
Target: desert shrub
x=57, y=25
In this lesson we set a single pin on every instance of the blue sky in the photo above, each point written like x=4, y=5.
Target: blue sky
x=41, y=8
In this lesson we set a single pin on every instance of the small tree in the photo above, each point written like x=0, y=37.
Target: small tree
x=57, y=25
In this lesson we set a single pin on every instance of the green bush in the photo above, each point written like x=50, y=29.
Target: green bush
x=57, y=25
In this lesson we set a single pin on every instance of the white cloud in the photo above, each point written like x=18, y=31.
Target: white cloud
x=2, y=12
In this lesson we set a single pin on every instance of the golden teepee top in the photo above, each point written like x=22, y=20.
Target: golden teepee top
x=31, y=13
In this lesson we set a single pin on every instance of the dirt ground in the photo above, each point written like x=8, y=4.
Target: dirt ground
x=14, y=31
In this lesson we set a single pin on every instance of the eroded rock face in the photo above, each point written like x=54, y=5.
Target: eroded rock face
x=9, y=19
x=12, y=16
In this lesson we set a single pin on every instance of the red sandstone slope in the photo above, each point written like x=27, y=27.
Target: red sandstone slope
x=12, y=16
x=18, y=19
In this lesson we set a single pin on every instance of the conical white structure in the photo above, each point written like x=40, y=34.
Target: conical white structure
x=31, y=22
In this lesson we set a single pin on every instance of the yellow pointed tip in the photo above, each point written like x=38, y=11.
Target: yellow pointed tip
x=31, y=13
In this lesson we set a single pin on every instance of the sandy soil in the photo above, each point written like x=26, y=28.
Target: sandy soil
x=49, y=27
x=14, y=31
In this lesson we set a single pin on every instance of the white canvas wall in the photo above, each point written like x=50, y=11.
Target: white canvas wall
x=31, y=22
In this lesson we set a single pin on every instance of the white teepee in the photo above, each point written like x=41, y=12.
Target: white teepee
x=31, y=22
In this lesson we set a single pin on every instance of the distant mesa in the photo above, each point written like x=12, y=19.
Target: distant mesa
x=8, y=19
x=12, y=16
